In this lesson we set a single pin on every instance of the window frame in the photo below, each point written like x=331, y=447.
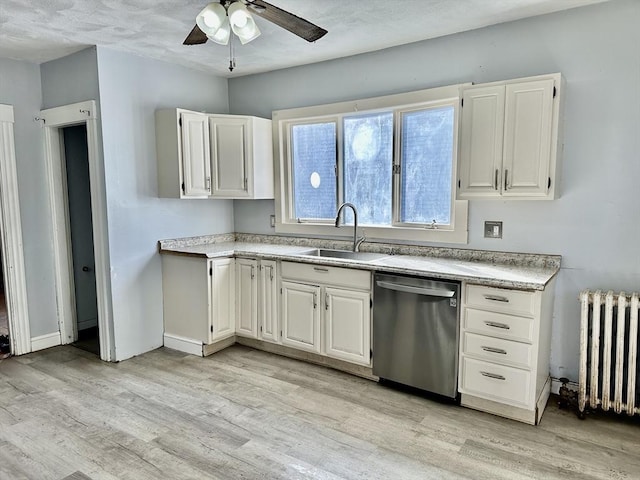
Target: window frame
x=283, y=120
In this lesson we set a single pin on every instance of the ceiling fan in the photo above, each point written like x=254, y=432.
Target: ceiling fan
x=216, y=19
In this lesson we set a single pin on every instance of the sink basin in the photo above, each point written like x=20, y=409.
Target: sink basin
x=345, y=254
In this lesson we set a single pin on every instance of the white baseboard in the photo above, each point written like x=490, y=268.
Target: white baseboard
x=556, y=384
x=45, y=341
x=182, y=344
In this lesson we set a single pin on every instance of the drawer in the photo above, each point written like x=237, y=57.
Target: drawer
x=499, y=325
x=496, y=382
x=516, y=302
x=497, y=350
x=322, y=275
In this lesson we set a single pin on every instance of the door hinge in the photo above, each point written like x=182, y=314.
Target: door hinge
x=458, y=183
x=210, y=271
x=396, y=168
x=281, y=333
x=370, y=303
x=370, y=354
x=260, y=328
x=183, y=189
x=462, y=102
x=280, y=290
x=211, y=328
x=180, y=121
x=555, y=91
x=549, y=183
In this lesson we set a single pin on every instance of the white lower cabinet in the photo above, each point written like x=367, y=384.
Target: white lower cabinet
x=327, y=310
x=504, y=351
x=301, y=316
x=198, y=301
x=257, y=299
x=247, y=297
x=268, y=301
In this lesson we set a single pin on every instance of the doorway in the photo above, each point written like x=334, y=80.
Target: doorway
x=84, y=278
x=78, y=189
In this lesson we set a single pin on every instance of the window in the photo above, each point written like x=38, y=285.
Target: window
x=392, y=157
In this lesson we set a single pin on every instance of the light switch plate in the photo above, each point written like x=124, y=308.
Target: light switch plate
x=492, y=229
x=272, y=219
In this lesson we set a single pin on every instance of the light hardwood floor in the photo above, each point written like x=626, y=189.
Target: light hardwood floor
x=246, y=414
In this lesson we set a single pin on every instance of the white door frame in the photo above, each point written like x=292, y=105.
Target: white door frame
x=54, y=120
x=11, y=238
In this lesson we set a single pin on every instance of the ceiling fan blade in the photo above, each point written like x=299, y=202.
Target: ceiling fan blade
x=195, y=37
x=299, y=26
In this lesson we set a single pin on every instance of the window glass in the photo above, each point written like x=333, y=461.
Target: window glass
x=368, y=162
x=426, y=168
x=314, y=156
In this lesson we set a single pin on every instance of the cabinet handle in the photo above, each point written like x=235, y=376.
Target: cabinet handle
x=326, y=301
x=492, y=375
x=320, y=269
x=494, y=350
x=496, y=179
x=496, y=298
x=506, y=179
x=503, y=326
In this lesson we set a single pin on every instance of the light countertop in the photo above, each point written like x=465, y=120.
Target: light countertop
x=495, y=274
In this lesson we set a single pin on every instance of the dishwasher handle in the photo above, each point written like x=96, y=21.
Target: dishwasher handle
x=431, y=292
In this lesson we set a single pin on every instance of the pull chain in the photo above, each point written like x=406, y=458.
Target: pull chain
x=232, y=59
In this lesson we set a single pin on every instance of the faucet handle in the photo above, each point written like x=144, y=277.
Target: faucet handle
x=359, y=241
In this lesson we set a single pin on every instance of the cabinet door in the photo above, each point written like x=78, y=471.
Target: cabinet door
x=196, y=156
x=230, y=152
x=527, y=143
x=347, y=324
x=268, y=301
x=481, y=142
x=247, y=297
x=222, y=304
x=301, y=316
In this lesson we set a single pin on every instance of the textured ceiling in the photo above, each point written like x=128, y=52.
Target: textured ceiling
x=42, y=30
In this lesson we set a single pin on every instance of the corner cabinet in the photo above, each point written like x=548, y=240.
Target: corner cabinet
x=504, y=351
x=510, y=139
x=198, y=302
x=202, y=155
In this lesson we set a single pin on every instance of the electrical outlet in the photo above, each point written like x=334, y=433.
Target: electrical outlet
x=272, y=219
x=492, y=229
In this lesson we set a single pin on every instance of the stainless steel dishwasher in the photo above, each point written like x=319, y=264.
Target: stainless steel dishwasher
x=416, y=332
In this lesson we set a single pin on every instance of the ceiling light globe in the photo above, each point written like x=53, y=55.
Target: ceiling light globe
x=211, y=18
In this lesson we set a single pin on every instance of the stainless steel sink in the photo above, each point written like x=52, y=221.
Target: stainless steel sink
x=345, y=254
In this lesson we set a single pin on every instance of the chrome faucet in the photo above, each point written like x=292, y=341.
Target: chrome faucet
x=356, y=241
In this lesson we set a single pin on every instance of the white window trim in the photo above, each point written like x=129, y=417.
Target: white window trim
x=404, y=101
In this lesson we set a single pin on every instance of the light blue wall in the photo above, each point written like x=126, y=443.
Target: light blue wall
x=20, y=87
x=131, y=89
x=70, y=79
x=594, y=225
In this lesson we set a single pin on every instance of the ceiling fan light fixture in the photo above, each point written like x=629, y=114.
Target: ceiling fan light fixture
x=242, y=24
x=212, y=18
x=223, y=33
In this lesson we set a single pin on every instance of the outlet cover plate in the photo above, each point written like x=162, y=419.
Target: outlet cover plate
x=492, y=229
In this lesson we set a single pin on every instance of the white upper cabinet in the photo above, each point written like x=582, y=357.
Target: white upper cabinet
x=509, y=139
x=241, y=156
x=183, y=153
x=213, y=156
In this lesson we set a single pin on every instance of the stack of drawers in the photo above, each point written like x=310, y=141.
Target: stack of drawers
x=504, y=351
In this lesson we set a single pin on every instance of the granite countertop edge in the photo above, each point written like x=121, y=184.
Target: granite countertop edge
x=508, y=274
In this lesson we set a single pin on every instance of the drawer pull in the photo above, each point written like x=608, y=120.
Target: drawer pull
x=496, y=298
x=320, y=269
x=503, y=326
x=493, y=375
x=494, y=350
